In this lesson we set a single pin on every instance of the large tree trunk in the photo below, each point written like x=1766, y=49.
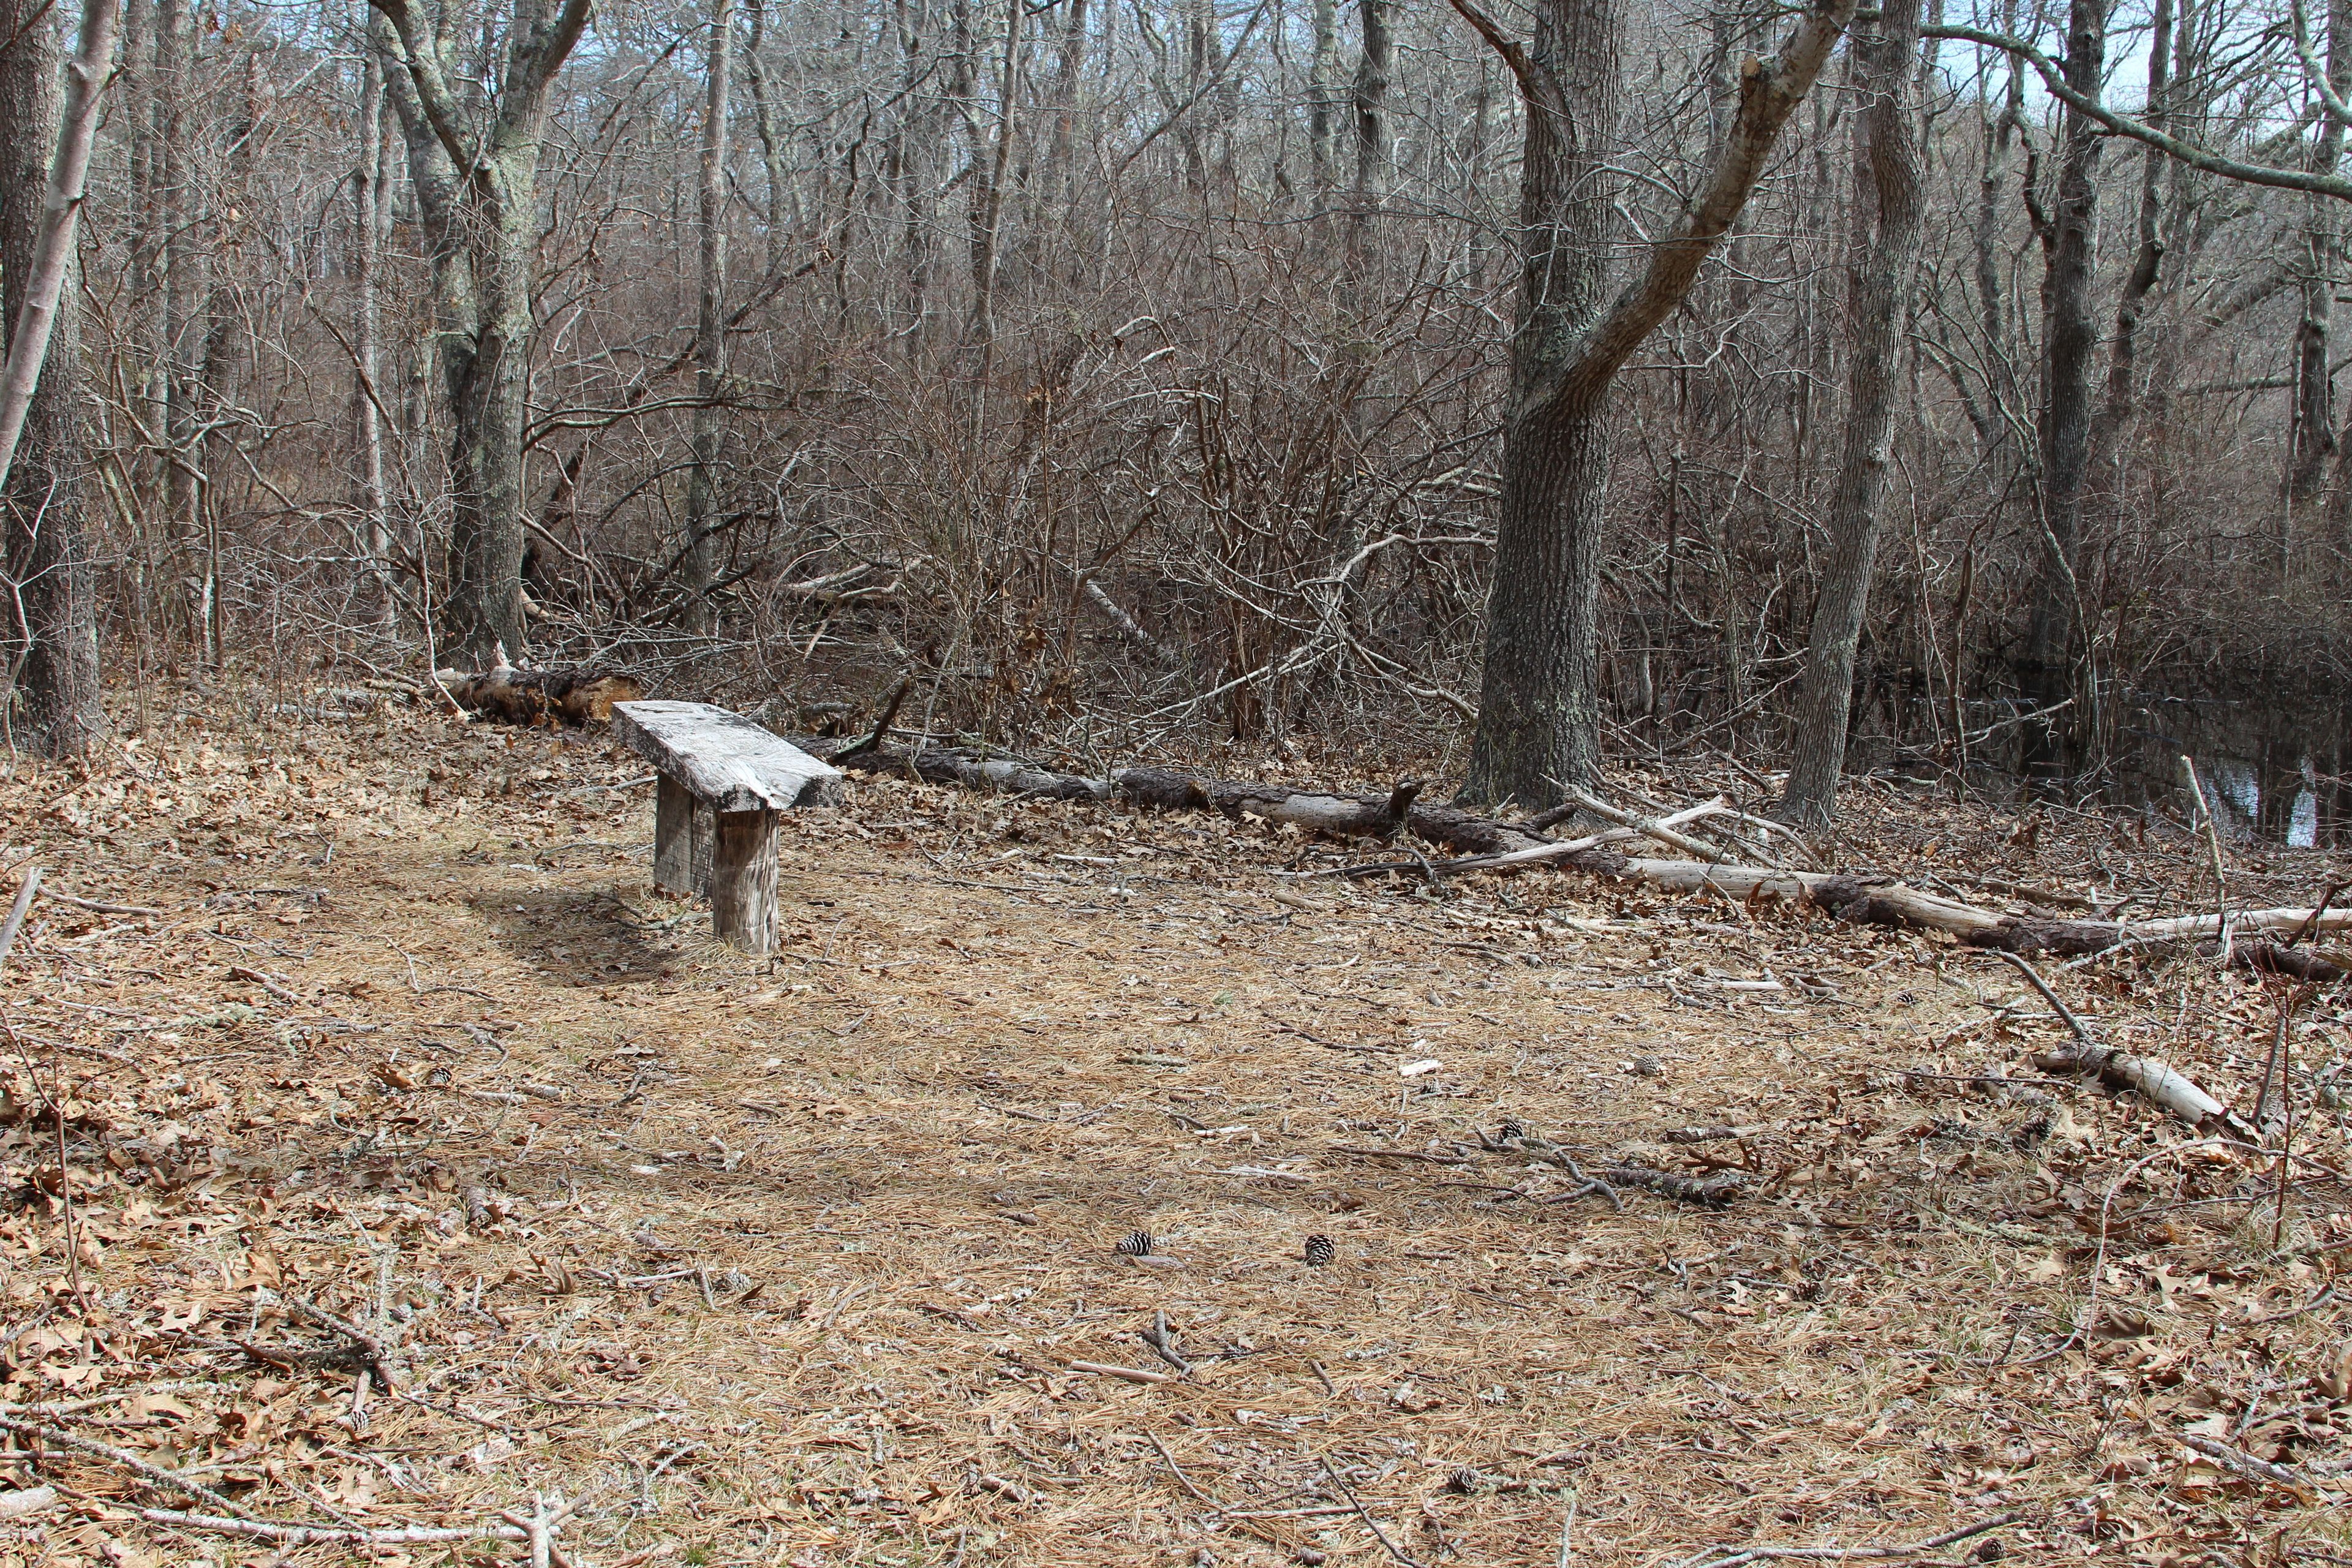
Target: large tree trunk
x=988, y=208
x=478, y=184
x=2000, y=131
x=1538, y=710
x=710, y=327
x=46, y=538
x=1371, y=107
x=1322, y=94
x=2070, y=344
x=483, y=612
x=1540, y=714
x=1877, y=290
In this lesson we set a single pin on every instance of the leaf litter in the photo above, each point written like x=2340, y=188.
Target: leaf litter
x=432, y=1187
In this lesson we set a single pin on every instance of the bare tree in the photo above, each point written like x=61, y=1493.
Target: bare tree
x=710, y=325
x=476, y=169
x=2071, y=340
x=1540, y=710
x=43, y=454
x=1884, y=253
x=2313, y=430
x=367, y=413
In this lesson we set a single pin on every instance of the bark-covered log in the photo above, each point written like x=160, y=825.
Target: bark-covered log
x=2073, y=938
x=1486, y=843
x=2270, y=958
x=573, y=696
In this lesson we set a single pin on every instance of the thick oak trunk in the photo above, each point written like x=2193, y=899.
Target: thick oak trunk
x=1539, y=718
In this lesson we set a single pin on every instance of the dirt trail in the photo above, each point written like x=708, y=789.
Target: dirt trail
x=790, y=1261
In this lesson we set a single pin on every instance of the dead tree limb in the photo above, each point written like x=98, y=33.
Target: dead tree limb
x=1484, y=844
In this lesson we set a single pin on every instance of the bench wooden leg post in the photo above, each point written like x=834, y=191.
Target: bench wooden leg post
x=677, y=823
x=743, y=880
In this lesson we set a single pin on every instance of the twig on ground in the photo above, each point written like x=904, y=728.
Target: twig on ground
x=1587, y=1185
x=1195, y=1493
x=1162, y=1344
x=128, y=1460
x=367, y=1344
x=322, y=1535
x=2034, y=978
x=99, y=907
x=1124, y=1374
x=256, y=977
x=540, y=1531
x=2246, y=1464
x=1365, y=1514
x=1850, y=1553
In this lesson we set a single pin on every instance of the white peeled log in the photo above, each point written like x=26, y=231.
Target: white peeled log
x=2158, y=1083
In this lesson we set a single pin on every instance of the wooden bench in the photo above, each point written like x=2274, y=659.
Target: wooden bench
x=723, y=781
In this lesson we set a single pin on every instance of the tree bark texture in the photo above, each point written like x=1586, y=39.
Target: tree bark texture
x=2313, y=439
x=476, y=178
x=1371, y=109
x=1540, y=714
x=1881, y=263
x=367, y=239
x=1322, y=92
x=2071, y=341
x=49, y=570
x=710, y=327
x=186, y=263
x=2114, y=411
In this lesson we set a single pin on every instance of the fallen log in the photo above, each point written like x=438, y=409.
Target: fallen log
x=574, y=695
x=2270, y=958
x=2158, y=1083
x=2076, y=938
x=1484, y=843
x=1663, y=829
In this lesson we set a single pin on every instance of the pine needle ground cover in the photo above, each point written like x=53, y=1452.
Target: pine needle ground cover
x=425, y=1171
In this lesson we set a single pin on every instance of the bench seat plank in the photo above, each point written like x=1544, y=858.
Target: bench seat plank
x=724, y=760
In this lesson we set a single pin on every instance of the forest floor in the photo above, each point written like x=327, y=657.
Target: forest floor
x=795, y=1261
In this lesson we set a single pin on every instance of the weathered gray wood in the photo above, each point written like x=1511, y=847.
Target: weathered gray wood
x=724, y=760
x=743, y=880
x=682, y=834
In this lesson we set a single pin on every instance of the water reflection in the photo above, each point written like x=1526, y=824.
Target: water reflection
x=2279, y=772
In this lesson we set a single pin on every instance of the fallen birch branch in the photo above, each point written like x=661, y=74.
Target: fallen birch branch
x=1663, y=828
x=2157, y=1082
